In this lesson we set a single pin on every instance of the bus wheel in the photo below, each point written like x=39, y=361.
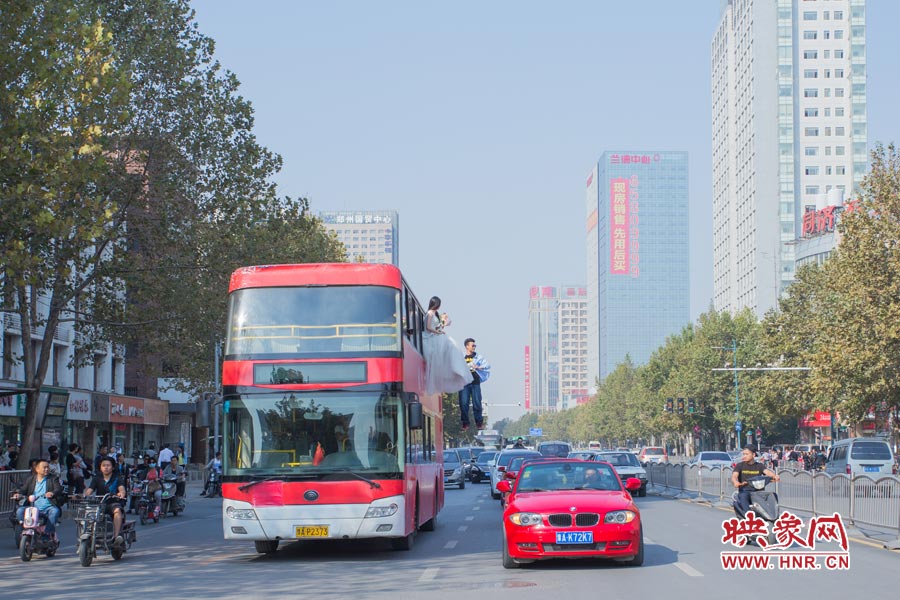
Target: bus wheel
x=431, y=523
x=404, y=543
x=266, y=546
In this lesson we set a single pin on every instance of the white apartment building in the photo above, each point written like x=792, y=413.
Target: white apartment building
x=557, y=370
x=789, y=128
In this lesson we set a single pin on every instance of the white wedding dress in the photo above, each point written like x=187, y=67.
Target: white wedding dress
x=445, y=367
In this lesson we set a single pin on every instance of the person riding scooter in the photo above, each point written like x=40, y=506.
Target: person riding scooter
x=743, y=471
x=44, y=491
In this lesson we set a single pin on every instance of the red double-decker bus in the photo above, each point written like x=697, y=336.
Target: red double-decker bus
x=328, y=432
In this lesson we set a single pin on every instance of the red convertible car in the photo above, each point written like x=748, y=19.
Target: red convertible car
x=570, y=509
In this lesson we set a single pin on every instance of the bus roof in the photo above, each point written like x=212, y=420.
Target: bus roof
x=315, y=274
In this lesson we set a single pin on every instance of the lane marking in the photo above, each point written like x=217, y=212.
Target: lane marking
x=470, y=518
x=429, y=574
x=476, y=508
x=462, y=528
x=688, y=570
x=450, y=544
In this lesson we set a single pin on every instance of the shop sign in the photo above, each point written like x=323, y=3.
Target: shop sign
x=79, y=407
x=123, y=409
x=156, y=412
x=13, y=405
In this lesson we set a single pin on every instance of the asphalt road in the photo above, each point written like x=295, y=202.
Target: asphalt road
x=186, y=557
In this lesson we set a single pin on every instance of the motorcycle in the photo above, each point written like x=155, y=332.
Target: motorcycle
x=147, y=509
x=95, y=530
x=475, y=473
x=32, y=533
x=764, y=504
x=213, y=485
x=172, y=501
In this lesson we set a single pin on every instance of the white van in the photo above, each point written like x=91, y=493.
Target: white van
x=860, y=456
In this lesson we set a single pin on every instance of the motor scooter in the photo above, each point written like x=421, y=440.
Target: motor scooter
x=764, y=504
x=172, y=501
x=214, y=485
x=33, y=536
x=95, y=530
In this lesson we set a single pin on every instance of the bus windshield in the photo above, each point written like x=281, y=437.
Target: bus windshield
x=313, y=321
x=309, y=433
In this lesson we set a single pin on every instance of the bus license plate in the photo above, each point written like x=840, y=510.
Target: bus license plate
x=311, y=531
x=574, y=537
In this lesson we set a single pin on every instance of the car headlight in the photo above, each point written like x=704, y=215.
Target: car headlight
x=240, y=513
x=619, y=516
x=456, y=472
x=526, y=519
x=381, y=511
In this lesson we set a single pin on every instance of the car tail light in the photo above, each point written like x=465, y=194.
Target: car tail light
x=847, y=469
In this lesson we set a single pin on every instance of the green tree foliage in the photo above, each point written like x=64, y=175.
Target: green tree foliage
x=131, y=185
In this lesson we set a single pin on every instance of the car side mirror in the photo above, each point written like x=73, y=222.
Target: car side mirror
x=632, y=484
x=510, y=475
x=504, y=487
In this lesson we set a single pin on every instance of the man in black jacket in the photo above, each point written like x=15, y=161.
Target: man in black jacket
x=43, y=491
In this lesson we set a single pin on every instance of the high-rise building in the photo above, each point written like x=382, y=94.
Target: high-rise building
x=370, y=236
x=789, y=135
x=556, y=355
x=638, y=263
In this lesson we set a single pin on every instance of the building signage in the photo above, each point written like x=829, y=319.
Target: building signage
x=356, y=218
x=634, y=258
x=633, y=159
x=816, y=419
x=156, y=412
x=123, y=409
x=618, y=226
x=12, y=405
x=817, y=222
x=78, y=407
x=527, y=377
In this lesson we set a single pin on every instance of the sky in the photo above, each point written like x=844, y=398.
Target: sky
x=480, y=122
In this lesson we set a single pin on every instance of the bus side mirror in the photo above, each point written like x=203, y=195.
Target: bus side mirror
x=414, y=415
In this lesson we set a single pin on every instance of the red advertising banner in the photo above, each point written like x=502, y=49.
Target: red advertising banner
x=618, y=227
x=816, y=419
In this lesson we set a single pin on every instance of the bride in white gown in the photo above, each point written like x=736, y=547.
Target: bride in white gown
x=445, y=369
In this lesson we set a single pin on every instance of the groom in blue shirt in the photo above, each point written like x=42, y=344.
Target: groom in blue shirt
x=472, y=391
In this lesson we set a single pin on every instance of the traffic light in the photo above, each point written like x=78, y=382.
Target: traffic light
x=691, y=405
x=669, y=404
x=681, y=406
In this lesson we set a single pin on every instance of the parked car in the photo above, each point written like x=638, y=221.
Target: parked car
x=481, y=469
x=570, y=508
x=860, y=456
x=503, y=460
x=711, y=459
x=653, y=454
x=454, y=471
x=554, y=449
x=626, y=465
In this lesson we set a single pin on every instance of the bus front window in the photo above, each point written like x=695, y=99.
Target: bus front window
x=313, y=433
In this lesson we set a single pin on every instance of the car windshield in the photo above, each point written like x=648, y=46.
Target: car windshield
x=653, y=451
x=567, y=476
x=464, y=453
x=870, y=451
x=516, y=463
x=560, y=450
x=486, y=457
x=451, y=457
x=505, y=457
x=621, y=459
x=707, y=456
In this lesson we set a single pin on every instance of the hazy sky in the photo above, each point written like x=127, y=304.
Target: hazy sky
x=479, y=123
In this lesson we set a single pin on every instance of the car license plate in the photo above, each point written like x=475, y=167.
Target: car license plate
x=871, y=469
x=311, y=531
x=574, y=537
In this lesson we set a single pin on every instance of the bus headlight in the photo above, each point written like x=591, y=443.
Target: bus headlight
x=381, y=511
x=240, y=513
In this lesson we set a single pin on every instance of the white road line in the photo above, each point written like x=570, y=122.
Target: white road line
x=429, y=574
x=476, y=508
x=688, y=570
x=462, y=528
x=450, y=544
x=470, y=518
x=481, y=500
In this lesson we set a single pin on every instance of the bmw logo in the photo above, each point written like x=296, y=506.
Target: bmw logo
x=311, y=495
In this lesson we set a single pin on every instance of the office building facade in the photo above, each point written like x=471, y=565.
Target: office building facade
x=370, y=236
x=638, y=290
x=783, y=145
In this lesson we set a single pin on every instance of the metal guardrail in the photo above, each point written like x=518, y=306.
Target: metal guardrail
x=9, y=482
x=860, y=500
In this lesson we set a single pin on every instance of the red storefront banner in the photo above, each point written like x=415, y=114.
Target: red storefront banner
x=816, y=419
x=618, y=227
